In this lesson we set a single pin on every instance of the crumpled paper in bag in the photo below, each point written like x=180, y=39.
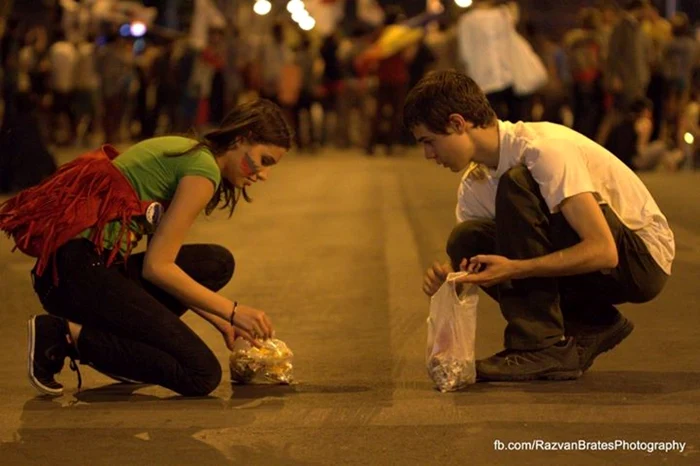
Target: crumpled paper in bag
x=451, y=334
x=270, y=364
x=450, y=374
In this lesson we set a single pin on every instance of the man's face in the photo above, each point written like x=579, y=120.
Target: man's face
x=453, y=150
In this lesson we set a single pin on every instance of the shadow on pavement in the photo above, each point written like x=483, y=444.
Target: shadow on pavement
x=600, y=387
x=262, y=390
x=52, y=434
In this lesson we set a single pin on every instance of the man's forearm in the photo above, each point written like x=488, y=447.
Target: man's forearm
x=584, y=257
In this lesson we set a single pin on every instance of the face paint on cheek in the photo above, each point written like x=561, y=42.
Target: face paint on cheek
x=248, y=165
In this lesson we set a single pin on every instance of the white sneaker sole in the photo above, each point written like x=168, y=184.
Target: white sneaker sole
x=31, y=334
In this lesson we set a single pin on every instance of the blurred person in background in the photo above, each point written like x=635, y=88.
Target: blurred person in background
x=442, y=41
x=689, y=129
x=658, y=32
x=24, y=157
x=215, y=55
x=86, y=90
x=393, y=78
x=631, y=140
x=678, y=61
x=115, y=63
x=485, y=37
x=275, y=53
x=34, y=57
x=63, y=58
x=352, y=107
x=332, y=86
x=628, y=65
x=584, y=49
x=238, y=56
x=609, y=17
x=551, y=101
x=305, y=60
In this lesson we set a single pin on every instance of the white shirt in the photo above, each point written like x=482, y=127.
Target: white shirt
x=63, y=57
x=205, y=15
x=86, y=77
x=565, y=163
x=484, y=38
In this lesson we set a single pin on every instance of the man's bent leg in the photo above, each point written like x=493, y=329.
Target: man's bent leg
x=534, y=337
x=470, y=238
x=531, y=306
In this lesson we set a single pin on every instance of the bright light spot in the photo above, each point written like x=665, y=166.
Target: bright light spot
x=300, y=15
x=464, y=3
x=689, y=138
x=295, y=5
x=307, y=23
x=262, y=7
x=138, y=29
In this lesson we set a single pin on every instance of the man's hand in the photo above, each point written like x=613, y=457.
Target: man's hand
x=488, y=270
x=435, y=276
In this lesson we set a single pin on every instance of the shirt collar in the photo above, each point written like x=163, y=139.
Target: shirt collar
x=505, y=144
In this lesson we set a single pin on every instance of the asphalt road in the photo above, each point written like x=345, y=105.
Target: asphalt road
x=333, y=248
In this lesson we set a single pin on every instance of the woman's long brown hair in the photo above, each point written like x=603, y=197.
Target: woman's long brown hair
x=257, y=122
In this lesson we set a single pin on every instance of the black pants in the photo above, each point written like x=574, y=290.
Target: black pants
x=393, y=96
x=539, y=309
x=131, y=328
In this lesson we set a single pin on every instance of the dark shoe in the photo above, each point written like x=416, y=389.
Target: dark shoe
x=48, y=347
x=558, y=362
x=591, y=341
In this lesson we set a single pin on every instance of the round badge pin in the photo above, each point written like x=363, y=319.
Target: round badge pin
x=154, y=213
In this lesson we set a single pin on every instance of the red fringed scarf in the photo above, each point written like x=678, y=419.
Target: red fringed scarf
x=88, y=192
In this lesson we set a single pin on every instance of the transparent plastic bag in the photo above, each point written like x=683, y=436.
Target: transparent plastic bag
x=270, y=364
x=452, y=335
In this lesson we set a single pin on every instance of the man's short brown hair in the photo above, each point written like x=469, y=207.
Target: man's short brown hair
x=442, y=93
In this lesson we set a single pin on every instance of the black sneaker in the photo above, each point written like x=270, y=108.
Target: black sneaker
x=48, y=347
x=591, y=341
x=558, y=362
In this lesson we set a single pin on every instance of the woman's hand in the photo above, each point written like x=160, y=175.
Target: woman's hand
x=228, y=332
x=252, y=323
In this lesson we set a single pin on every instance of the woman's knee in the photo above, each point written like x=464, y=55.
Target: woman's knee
x=226, y=265
x=209, y=264
x=205, y=379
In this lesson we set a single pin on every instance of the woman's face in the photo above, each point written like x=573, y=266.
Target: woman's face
x=246, y=163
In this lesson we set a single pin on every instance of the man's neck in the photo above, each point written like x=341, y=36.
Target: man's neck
x=487, y=142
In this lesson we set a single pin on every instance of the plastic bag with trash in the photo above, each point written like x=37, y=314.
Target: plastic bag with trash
x=452, y=335
x=272, y=363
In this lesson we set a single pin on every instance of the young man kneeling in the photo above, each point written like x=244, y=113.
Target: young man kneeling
x=553, y=226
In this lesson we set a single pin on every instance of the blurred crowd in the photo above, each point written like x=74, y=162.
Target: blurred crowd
x=624, y=76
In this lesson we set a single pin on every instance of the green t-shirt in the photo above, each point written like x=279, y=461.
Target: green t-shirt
x=154, y=171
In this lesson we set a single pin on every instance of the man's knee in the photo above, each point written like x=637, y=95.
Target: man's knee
x=470, y=238
x=516, y=179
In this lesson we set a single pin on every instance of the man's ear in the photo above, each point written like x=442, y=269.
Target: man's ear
x=457, y=124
